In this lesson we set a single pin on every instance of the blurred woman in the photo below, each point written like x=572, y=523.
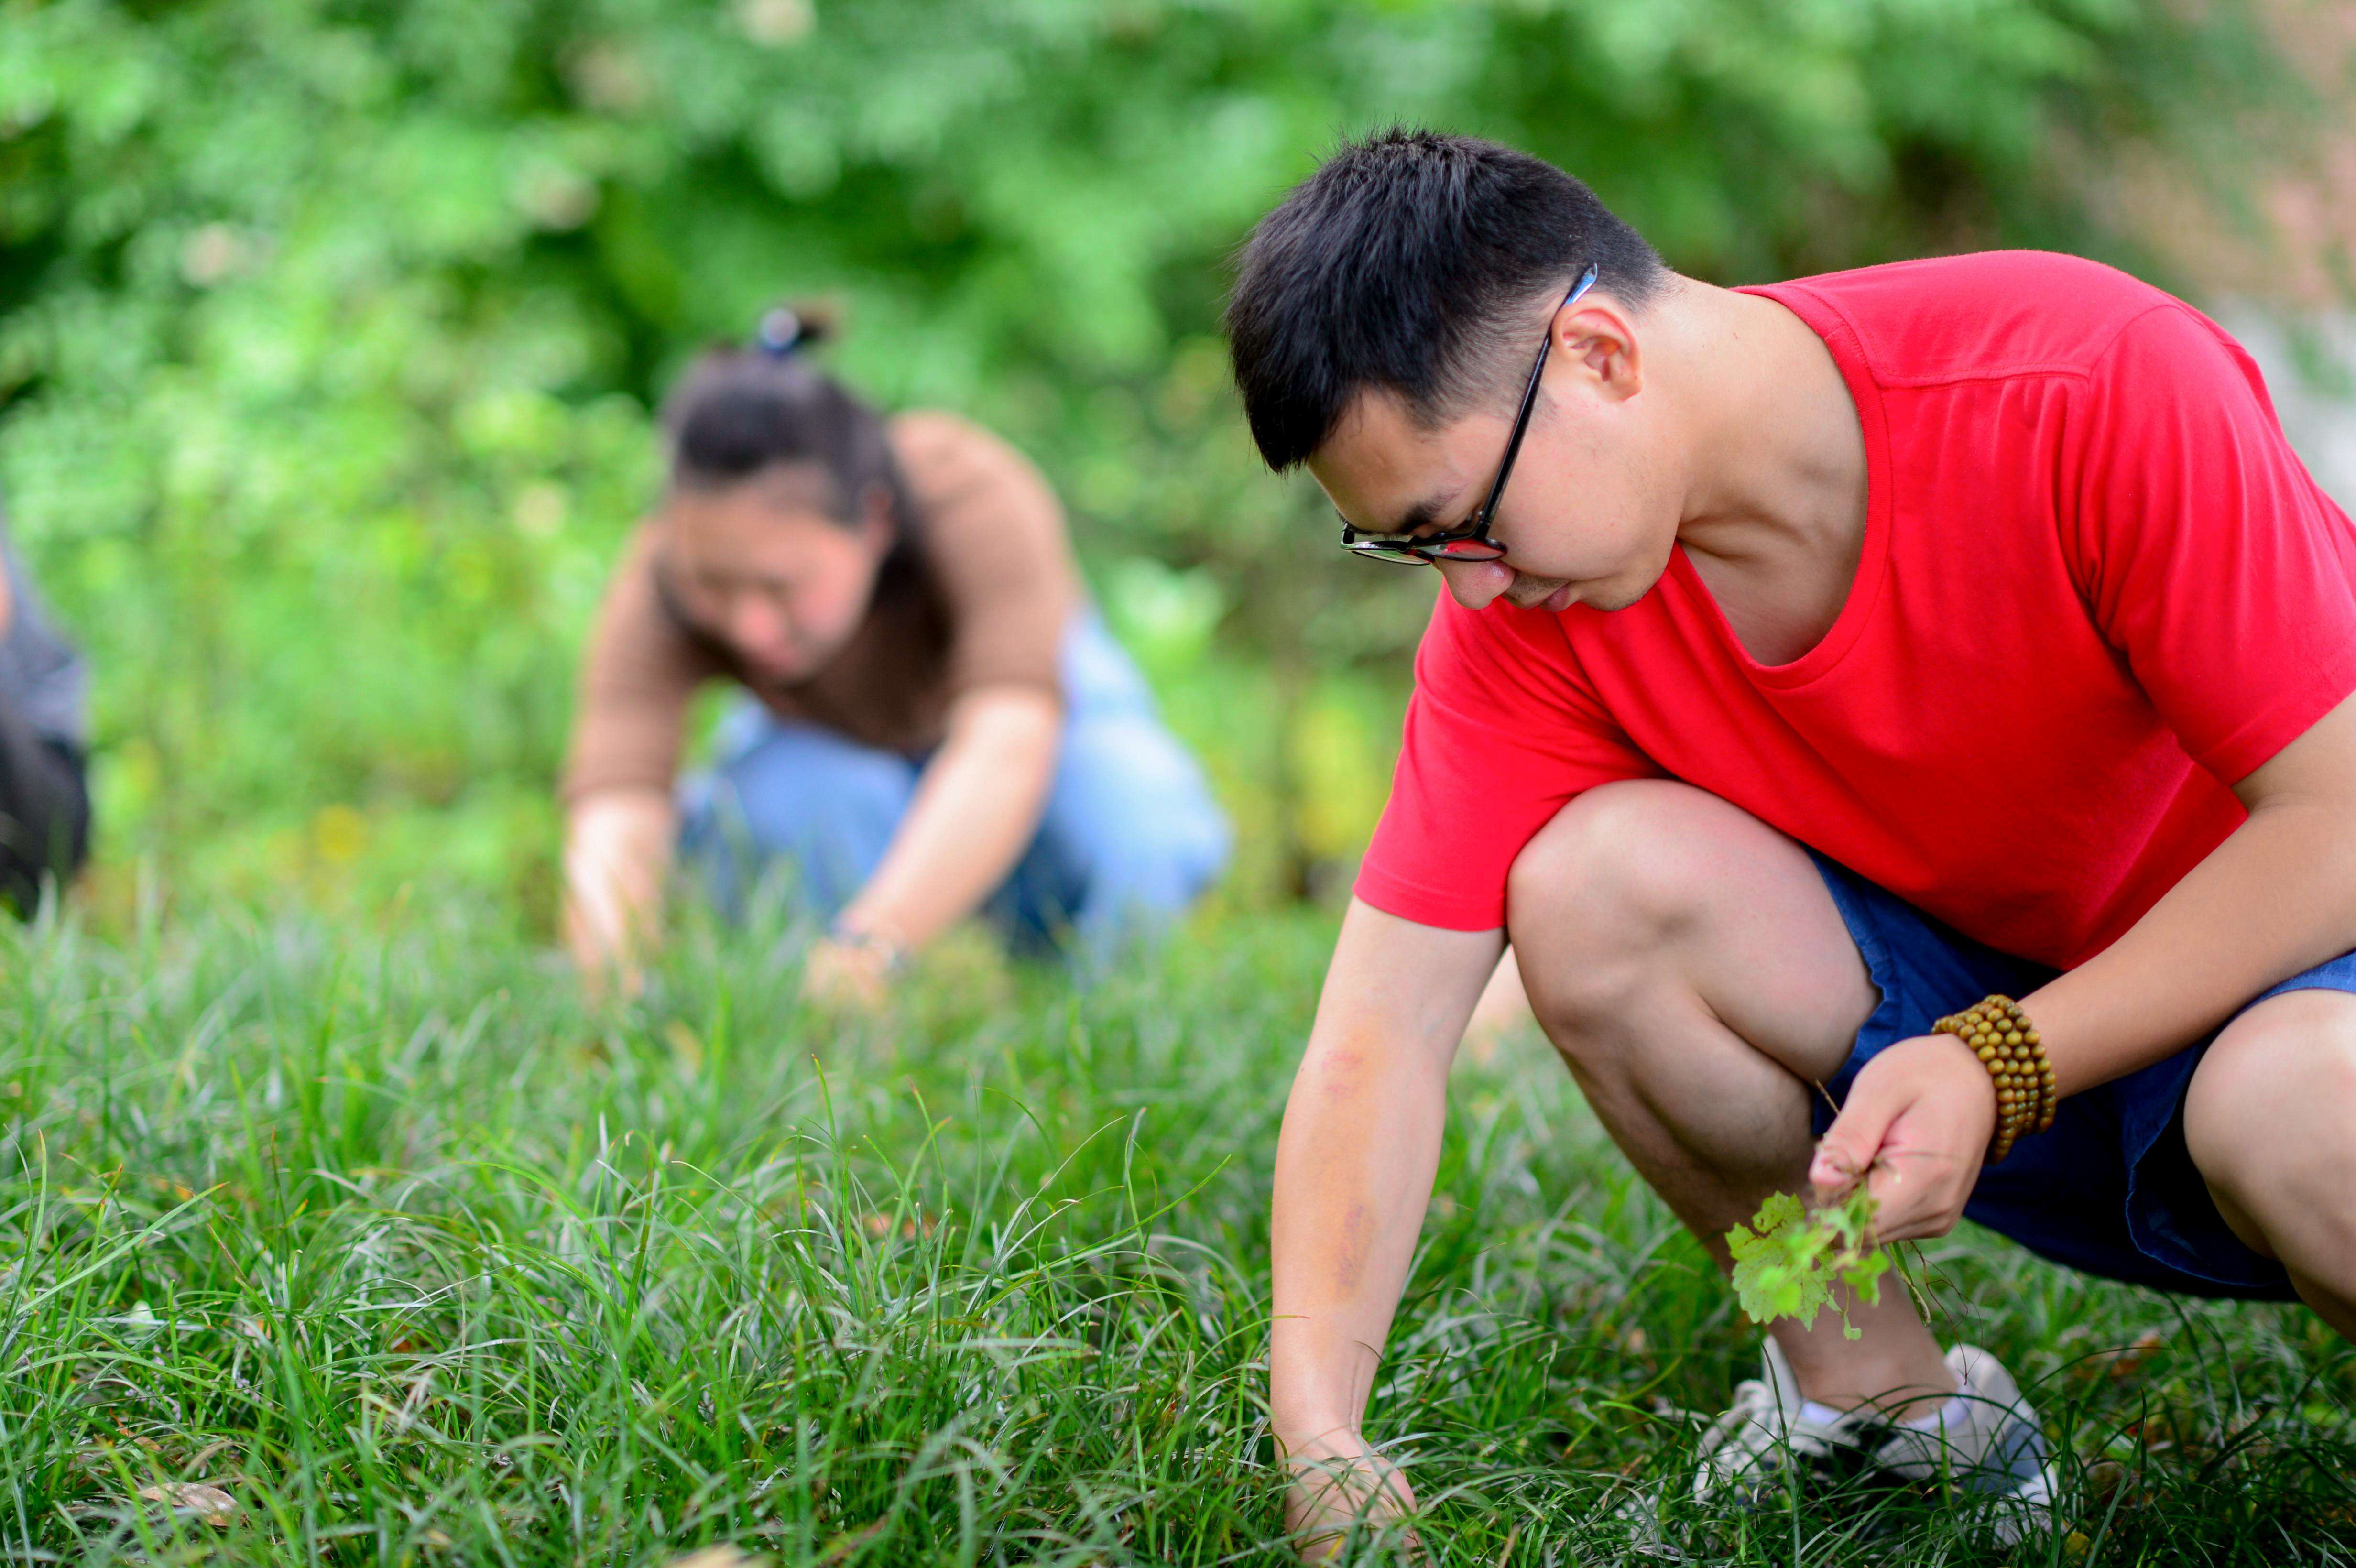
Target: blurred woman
x=935, y=722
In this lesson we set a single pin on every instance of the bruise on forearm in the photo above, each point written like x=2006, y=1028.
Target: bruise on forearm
x=1345, y=1269
x=1354, y=1170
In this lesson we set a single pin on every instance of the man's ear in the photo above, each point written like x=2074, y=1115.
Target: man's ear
x=1596, y=340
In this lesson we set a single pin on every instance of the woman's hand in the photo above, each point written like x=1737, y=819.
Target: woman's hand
x=848, y=977
x=1339, y=1483
x=617, y=854
x=1917, y=1124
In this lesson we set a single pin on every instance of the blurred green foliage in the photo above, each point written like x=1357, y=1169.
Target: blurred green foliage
x=328, y=328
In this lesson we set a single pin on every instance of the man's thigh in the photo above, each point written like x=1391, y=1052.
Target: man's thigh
x=1647, y=903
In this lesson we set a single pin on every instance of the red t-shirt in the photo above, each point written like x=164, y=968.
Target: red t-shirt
x=2096, y=589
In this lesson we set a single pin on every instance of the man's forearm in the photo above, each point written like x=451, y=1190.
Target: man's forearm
x=2279, y=896
x=1353, y=1173
x=1355, y=1163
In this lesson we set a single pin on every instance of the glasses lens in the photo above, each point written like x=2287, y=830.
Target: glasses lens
x=1470, y=550
x=1394, y=554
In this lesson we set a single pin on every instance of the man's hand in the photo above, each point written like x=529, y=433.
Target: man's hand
x=1339, y=1483
x=1353, y=1170
x=1917, y=1126
x=848, y=977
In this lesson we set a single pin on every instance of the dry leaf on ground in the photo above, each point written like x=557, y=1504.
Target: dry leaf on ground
x=209, y=1504
x=717, y=1557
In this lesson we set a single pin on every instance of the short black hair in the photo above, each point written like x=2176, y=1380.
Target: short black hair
x=1402, y=264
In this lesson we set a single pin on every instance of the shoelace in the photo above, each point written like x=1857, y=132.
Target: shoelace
x=1753, y=1401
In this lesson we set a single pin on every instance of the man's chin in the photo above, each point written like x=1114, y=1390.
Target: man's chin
x=1555, y=594
x=1549, y=593
x=1611, y=596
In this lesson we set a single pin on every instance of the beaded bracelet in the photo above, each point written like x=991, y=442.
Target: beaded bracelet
x=2000, y=1034
x=876, y=942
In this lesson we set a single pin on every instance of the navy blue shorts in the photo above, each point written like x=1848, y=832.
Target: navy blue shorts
x=2110, y=1190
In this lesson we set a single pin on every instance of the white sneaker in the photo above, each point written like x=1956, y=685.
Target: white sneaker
x=1984, y=1445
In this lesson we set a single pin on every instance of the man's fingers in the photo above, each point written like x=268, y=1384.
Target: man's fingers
x=1918, y=1192
x=1914, y=1127
x=1901, y=1203
x=1849, y=1145
x=1332, y=1498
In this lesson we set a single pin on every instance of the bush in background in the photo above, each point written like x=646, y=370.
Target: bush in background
x=328, y=329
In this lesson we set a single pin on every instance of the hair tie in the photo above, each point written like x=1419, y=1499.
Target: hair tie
x=780, y=332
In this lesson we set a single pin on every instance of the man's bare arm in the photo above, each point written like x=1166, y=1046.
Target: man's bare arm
x=2276, y=897
x=1354, y=1172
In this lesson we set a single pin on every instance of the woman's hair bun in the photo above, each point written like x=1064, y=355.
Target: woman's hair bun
x=743, y=406
x=787, y=329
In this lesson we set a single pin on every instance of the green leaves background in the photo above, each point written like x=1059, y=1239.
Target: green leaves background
x=328, y=328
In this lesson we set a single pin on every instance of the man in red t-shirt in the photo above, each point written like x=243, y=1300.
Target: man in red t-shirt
x=1841, y=653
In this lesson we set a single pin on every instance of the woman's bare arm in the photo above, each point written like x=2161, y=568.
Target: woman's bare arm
x=975, y=810
x=618, y=849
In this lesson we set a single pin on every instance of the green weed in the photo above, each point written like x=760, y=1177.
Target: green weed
x=1786, y=1262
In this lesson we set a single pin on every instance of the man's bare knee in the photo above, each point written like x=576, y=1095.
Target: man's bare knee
x=2265, y=1119
x=1598, y=889
x=1623, y=845
x=1649, y=912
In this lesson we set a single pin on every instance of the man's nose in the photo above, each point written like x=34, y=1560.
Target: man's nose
x=1473, y=583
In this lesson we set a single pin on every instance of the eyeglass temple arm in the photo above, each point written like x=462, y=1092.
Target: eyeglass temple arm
x=1537, y=371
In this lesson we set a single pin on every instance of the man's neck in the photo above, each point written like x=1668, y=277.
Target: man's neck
x=1775, y=500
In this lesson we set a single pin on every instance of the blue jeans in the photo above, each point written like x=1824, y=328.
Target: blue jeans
x=1129, y=837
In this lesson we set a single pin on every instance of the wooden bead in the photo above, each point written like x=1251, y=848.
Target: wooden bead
x=1999, y=1033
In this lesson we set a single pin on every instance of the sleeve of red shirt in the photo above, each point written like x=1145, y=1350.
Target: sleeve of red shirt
x=2211, y=559
x=1501, y=732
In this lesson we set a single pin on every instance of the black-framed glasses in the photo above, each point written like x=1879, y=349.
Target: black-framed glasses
x=1469, y=540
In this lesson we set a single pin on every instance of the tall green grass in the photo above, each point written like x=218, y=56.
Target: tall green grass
x=381, y=1234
